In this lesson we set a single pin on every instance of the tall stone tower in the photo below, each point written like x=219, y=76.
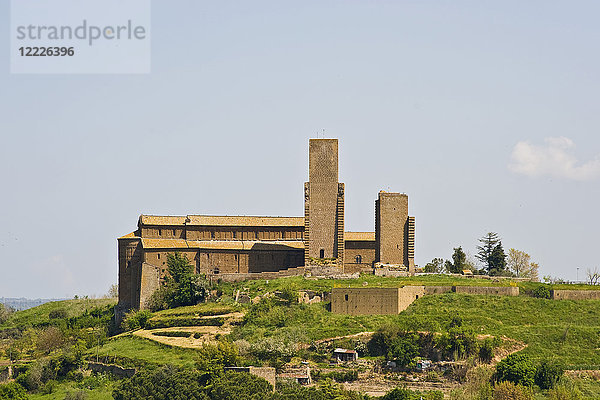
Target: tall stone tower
x=394, y=230
x=323, y=202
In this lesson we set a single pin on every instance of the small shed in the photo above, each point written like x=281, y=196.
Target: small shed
x=343, y=355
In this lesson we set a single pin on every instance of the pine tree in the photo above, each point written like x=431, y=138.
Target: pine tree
x=497, y=261
x=484, y=252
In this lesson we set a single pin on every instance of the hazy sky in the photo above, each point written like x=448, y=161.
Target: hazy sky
x=484, y=112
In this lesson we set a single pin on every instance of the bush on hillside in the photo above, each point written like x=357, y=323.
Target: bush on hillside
x=12, y=391
x=510, y=391
x=61, y=313
x=516, y=368
x=548, y=374
x=136, y=320
x=542, y=292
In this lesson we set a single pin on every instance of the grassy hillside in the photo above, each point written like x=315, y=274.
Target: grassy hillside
x=39, y=316
x=128, y=350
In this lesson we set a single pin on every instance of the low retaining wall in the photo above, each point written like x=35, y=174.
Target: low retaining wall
x=111, y=369
x=438, y=289
x=487, y=290
x=575, y=294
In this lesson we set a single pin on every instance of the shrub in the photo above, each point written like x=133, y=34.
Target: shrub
x=547, y=374
x=486, y=350
x=136, y=320
x=197, y=335
x=77, y=395
x=12, y=391
x=516, y=368
x=541, y=292
x=58, y=314
x=510, y=391
x=235, y=385
x=338, y=376
x=167, y=382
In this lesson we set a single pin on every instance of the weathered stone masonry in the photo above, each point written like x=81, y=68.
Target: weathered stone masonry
x=248, y=246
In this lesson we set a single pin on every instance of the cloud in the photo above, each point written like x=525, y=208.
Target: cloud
x=554, y=159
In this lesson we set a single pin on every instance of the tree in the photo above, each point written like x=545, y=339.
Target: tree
x=593, y=276
x=5, y=313
x=547, y=374
x=497, y=261
x=436, y=266
x=165, y=383
x=404, y=348
x=240, y=385
x=459, y=259
x=519, y=263
x=113, y=291
x=484, y=251
x=181, y=287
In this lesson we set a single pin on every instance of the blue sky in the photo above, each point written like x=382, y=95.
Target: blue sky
x=485, y=113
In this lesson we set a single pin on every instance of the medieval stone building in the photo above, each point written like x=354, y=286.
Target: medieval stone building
x=244, y=247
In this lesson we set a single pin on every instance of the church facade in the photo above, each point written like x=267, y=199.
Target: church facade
x=246, y=247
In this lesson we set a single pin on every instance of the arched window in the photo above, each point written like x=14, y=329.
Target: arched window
x=358, y=259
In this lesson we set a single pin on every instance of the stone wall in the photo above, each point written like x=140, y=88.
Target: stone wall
x=487, y=290
x=575, y=294
x=373, y=301
x=149, y=282
x=438, y=289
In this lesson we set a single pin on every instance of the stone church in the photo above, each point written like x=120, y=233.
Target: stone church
x=247, y=247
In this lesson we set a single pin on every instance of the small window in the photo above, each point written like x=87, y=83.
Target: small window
x=358, y=259
x=256, y=235
x=235, y=257
x=234, y=234
x=346, y=296
x=212, y=235
x=158, y=256
x=160, y=232
x=174, y=232
x=322, y=253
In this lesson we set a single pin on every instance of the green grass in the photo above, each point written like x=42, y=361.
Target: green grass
x=260, y=286
x=102, y=391
x=131, y=350
x=565, y=330
x=38, y=316
x=199, y=310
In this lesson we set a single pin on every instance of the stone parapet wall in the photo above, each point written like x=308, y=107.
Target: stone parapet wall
x=437, y=289
x=575, y=294
x=487, y=290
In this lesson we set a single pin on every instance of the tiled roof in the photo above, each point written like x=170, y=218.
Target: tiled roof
x=222, y=244
x=214, y=220
x=359, y=236
x=162, y=220
x=129, y=236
